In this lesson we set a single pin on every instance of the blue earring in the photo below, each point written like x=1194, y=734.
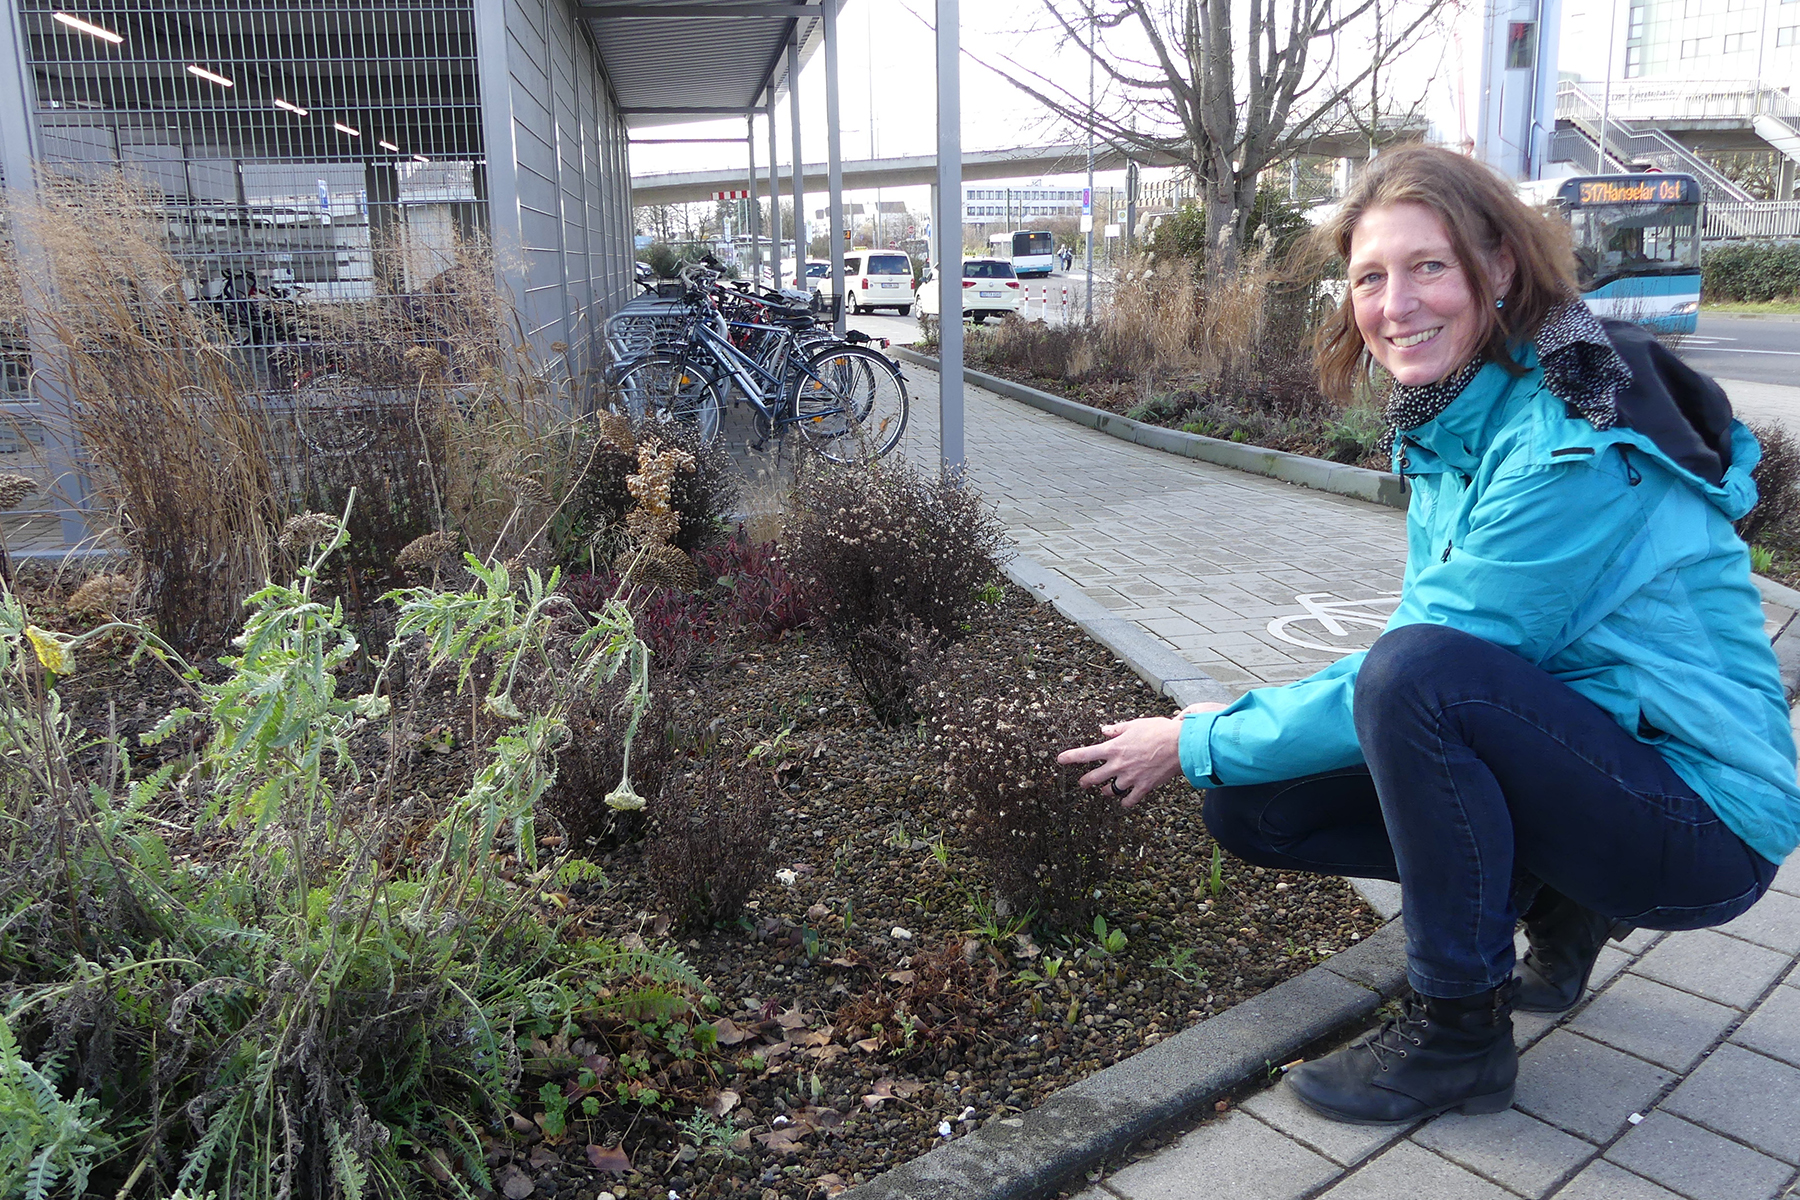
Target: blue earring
x=1500, y=302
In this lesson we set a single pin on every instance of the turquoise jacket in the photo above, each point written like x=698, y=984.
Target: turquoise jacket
x=1590, y=553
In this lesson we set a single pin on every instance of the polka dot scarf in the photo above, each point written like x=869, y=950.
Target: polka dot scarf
x=1580, y=367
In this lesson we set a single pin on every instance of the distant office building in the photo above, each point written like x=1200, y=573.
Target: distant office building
x=988, y=205
x=1741, y=40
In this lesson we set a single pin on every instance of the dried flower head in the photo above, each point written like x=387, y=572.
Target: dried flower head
x=615, y=430
x=525, y=488
x=425, y=361
x=428, y=552
x=13, y=490
x=646, y=526
x=103, y=595
x=306, y=530
x=657, y=565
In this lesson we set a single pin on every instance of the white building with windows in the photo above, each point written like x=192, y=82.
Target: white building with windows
x=990, y=205
x=1749, y=40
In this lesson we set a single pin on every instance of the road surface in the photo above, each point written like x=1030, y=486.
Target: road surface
x=1756, y=349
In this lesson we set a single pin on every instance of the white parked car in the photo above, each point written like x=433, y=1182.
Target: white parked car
x=876, y=279
x=989, y=289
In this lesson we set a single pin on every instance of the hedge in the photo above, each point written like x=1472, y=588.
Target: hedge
x=1751, y=271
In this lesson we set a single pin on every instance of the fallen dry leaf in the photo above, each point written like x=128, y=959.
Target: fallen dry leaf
x=729, y=1031
x=611, y=1159
x=820, y=1118
x=819, y=1037
x=869, y=1045
x=723, y=1103
x=901, y=976
x=785, y=1140
x=793, y=1018
x=514, y=1183
x=833, y=1184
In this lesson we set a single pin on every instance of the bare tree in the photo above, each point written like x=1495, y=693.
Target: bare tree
x=1179, y=85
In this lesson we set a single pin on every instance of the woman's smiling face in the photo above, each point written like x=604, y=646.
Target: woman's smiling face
x=1419, y=313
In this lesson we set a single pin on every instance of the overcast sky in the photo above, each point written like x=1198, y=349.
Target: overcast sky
x=890, y=108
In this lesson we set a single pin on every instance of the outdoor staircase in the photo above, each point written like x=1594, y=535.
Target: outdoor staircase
x=1632, y=140
x=1629, y=143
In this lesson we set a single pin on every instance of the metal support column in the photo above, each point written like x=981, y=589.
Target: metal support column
x=774, y=197
x=793, y=57
x=755, y=210
x=1131, y=204
x=947, y=217
x=834, y=165
x=1088, y=208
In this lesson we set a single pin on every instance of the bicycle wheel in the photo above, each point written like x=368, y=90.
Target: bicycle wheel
x=849, y=403
x=667, y=390
x=333, y=413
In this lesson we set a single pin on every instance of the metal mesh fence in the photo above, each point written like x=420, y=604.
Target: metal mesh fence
x=315, y=166
x=299, y=152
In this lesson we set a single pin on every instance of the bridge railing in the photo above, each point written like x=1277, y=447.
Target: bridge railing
x=1685, y=99
x=1727, y=219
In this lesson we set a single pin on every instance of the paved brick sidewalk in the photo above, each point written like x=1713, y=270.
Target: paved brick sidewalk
x=1697, y=1034
x=1203, y=557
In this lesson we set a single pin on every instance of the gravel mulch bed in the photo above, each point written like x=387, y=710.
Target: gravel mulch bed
x=875, y=999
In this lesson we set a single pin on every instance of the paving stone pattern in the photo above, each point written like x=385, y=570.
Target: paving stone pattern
x=1677, y=1079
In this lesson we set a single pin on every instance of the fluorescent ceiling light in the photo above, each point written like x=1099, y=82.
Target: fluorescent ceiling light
x=343, y=128
x=293, y=108
x=388, y=146
x=89, y=28
x=209, y=76
x=420, y=158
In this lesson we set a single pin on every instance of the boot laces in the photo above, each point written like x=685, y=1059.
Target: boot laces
x=1397, y=1033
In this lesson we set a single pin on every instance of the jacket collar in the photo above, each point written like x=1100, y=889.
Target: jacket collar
x=1461, y=434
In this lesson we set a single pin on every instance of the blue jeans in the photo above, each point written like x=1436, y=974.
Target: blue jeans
x=1483, y=769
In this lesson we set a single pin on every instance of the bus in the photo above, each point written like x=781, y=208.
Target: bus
x=1637, y=244
x=1033, y=252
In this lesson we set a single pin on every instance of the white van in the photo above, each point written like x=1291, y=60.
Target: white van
x=878, y=279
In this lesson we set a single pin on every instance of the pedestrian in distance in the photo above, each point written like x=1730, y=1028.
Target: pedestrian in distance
x=1574, y=717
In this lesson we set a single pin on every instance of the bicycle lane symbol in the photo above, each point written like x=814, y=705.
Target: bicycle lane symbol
x=1333, y=616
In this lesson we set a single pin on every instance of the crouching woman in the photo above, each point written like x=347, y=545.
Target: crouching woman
x=1574, y=717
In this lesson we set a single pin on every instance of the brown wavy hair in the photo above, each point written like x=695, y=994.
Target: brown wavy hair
x=1482, y=213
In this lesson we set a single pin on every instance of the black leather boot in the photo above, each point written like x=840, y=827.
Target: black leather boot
x=1565, y=939
x=1436, y=1055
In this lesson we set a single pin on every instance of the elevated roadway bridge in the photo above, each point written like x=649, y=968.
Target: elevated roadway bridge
x=1025, y=162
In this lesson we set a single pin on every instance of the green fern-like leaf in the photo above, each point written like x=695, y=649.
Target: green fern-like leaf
x=347, y=1169
x=41, y=1176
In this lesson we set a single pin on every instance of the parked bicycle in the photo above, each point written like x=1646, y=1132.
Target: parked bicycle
x=847, y=400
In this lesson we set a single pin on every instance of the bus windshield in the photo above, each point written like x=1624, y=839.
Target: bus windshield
x=1622, y=241
x=1029, y=244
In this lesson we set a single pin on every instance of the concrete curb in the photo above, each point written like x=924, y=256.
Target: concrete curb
x=1378, y=487
x=1034, y=1153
